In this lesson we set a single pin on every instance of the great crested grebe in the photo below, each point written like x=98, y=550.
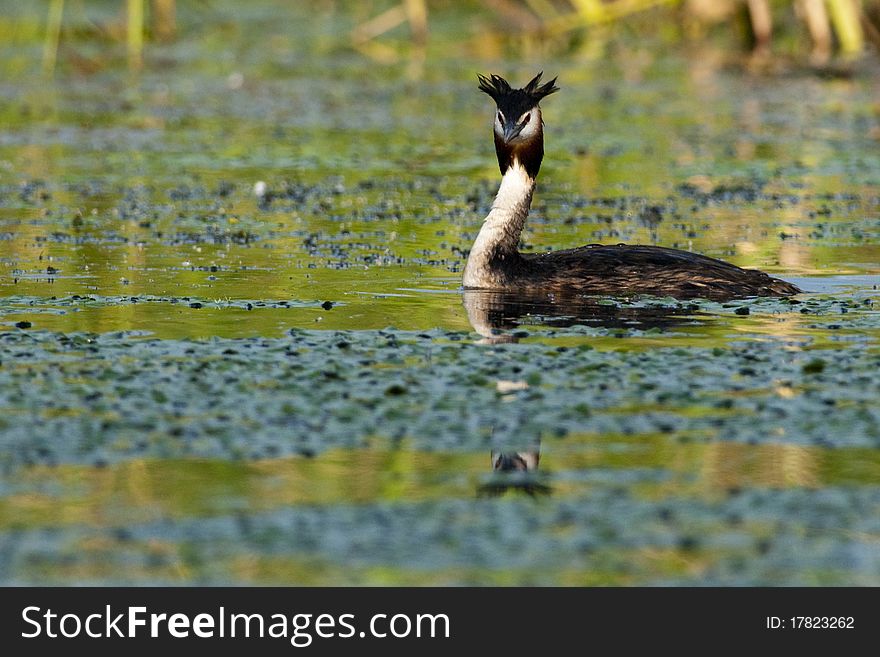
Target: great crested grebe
x=516, y=470
x=494, y=262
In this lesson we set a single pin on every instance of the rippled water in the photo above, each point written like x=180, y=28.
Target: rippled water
x=200, y=384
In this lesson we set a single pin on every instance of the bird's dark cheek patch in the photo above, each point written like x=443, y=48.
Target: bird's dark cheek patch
x=504, y=153
x=528, y=153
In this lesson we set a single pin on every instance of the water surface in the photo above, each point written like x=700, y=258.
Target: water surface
x=200, y=384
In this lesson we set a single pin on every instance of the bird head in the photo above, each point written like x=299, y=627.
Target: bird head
x=518, y=123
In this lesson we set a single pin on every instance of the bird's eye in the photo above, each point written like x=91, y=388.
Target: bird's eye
x=525, y=119
x=500, y=117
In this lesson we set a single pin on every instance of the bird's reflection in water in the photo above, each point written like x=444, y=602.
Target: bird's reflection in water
x=515, y=461
x=515, y=471
x=495, y=314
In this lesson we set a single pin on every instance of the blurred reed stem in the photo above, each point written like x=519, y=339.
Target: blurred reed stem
x=846, y=17
x=414, y=12
x=417, y=15
x=589, y=13
x=164, y=19
x=135, y=33
x=53, y=36
x=815, y=16
x=762, y=24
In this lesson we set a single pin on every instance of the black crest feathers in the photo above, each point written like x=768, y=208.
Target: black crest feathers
x=496, y=86
x=537, y=91
x=500, y=90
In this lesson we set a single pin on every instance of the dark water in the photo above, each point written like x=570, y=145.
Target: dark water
x=200, y=384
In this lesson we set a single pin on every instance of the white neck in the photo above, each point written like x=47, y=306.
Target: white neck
x=499, y=235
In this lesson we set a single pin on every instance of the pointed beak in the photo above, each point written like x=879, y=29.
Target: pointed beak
x=511, y=131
